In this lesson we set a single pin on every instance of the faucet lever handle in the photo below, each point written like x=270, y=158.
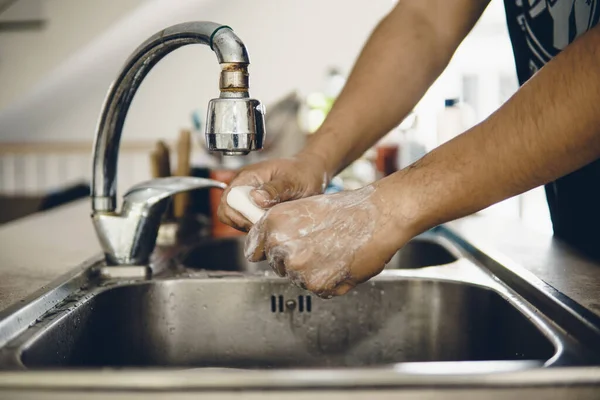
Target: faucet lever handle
x=129, y=237
x=151, y=192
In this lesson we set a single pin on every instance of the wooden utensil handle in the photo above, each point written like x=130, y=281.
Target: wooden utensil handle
x=184, y=147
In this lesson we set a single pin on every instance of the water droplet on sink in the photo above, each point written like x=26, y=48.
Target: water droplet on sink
x=204, y=307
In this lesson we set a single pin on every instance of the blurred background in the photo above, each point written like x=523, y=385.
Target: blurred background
x=58, y=58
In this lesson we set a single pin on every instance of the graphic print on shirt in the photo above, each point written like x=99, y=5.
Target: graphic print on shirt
x=566, y=19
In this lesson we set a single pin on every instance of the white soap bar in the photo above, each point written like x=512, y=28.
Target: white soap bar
x=239, y=199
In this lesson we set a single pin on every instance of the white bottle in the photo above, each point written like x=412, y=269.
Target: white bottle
x=410, y=148
x=454, y=119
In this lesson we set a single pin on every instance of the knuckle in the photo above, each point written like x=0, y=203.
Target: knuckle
x=277, y=262
x=245, y=176
x=313, y=286
x=297, y=279
x=344, y=288
x=325, y=294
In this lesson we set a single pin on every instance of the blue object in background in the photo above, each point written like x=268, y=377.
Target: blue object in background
x=333, y=187
x=196, y=120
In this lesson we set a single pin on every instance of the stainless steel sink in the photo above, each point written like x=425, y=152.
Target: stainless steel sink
x=210, y=308
x=266, y=323
x=228, y=254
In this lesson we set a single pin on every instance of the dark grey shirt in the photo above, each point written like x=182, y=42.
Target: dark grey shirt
x=539, y=30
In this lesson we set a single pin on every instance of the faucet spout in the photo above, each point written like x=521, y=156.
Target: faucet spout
x=243, y=117
x=235, y=125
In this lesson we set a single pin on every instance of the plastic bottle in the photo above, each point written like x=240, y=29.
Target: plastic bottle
x=318, y=104
x=454, y=119
x=411, y=147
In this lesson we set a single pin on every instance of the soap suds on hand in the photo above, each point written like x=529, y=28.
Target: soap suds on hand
x=314, y=241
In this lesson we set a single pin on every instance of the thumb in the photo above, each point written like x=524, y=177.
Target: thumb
x=269, y=194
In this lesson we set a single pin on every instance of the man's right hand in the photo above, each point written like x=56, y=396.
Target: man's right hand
x=415, y=32
x=276, y=181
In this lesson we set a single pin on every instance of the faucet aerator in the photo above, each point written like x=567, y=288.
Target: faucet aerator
x=235, y=126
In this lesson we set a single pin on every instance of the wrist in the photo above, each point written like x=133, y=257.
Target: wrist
x=317, y=160
x=325, y=145
x=315, y=169
x=399, y=199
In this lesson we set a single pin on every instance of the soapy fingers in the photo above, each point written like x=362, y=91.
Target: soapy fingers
x=229, y=215
x=326, y=244
x=275, y=181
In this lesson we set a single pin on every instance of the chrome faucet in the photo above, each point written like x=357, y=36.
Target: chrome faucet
x=235, y=126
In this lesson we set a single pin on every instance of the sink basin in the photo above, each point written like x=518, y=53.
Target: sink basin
x=207, y=307
x=228, y=254
x=264, y=322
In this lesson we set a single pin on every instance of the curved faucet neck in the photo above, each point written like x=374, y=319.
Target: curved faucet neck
x=231, y=54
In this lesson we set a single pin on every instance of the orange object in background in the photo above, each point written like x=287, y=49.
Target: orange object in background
x=220, y=229
x=387, y=160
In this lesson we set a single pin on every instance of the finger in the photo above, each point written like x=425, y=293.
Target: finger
x=233, y=218
x=271, y=193
x=295, y=277
x=228, y=215
x=276, y=259
x=343, y=288
x=332, y=287
x=254, y=248
x=277, y=253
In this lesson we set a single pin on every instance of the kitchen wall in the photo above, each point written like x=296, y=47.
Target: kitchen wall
x=482, y=72
x=53, y=81
x=290, y=43
x=28, y=54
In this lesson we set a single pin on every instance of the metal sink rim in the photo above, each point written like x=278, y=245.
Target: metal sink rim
x=27, y=338
x=63, y=286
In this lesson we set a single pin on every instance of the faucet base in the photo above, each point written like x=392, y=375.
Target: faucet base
x=125, y=272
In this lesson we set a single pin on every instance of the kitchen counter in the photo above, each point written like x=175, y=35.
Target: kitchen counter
x=38, y=249
x=41, y=247
x=546, y=257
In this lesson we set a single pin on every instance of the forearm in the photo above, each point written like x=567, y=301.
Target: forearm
x=403, y=57
x=548, y=129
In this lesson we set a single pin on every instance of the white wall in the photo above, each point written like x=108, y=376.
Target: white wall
x=26, y=56
x=486, y=53
x=290, y=45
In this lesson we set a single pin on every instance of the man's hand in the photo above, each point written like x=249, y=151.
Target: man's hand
x=276, y=181
x=413, y=33
x=330, y=243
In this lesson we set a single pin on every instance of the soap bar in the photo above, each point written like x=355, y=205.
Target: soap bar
x=239, y=199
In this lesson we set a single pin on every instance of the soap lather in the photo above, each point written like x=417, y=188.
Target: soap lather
x=239, y=199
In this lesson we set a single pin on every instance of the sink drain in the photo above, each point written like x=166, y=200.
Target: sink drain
x=279, y=304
